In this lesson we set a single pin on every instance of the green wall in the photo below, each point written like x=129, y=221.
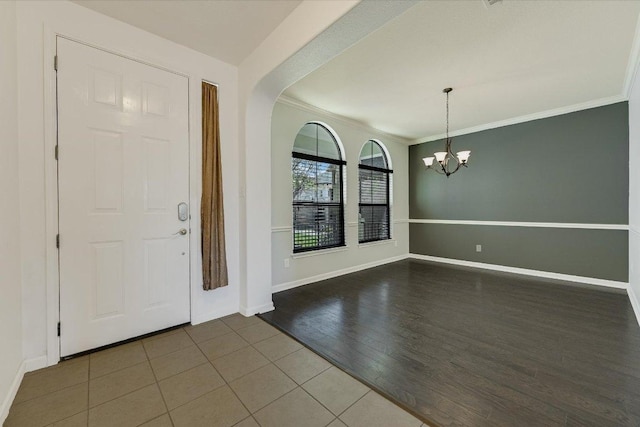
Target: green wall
x=572, y=168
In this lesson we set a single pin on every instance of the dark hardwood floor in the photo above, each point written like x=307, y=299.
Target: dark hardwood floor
x=466, y=347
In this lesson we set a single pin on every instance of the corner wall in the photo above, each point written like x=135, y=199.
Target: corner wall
x=287, y=120
x=548, y=195
x=634, y=195
x=11, y=367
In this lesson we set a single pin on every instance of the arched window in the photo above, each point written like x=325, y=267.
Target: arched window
x=374, y=176
x=318, y=209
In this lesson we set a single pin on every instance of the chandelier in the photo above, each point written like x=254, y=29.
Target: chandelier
x=446, y=158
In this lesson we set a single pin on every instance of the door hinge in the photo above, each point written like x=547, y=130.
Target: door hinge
x=58, y=328
x=55, y=62
x=56, y=152
x=58, y=241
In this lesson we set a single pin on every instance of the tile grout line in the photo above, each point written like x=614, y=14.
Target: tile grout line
x=234, y=392
x=322, y=404
x=210, y=362
x=120, y=369
x=47, y=394
x=216, y=337
x=245, y=419
x=233, y=352
x=321, y=355
x=331, y=365
x=186, y=403
x=156, y=381
x=157, y=384
x=298, y=385
x=239, y=400
x=223, y=379
x=118, y=397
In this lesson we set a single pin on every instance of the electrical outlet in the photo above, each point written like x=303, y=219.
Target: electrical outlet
x=395, y=243
x=286, y=263
x=478, y=248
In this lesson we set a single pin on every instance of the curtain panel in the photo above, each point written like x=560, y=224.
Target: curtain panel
x=214, y=258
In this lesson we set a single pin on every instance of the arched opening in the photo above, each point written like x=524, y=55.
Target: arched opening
x=264, y=76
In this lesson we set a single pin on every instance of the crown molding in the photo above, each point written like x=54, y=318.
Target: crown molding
x=296, y=103
x=527, y=118
x=633, y=67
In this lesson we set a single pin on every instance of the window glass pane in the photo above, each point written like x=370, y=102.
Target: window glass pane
x=303, y=173
x=373, y=187
x=306, y=142
x=373, y=219
x=373, y=223
x=372, y=155
x=317, y=226
x=315, y=140
x=327, y=146
x=328, y=189
x=318, y=219
x=365, y=153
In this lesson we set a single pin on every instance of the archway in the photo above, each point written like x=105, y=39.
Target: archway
x=323, y=30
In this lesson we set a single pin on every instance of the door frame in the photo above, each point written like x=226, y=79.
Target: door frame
x=52, y=272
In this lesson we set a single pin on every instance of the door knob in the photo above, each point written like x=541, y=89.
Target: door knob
x=181, y=232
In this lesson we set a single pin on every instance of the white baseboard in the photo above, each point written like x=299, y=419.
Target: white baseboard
x=13, y=390
x=290, y=285
x=250, y=311
x=35, y=363
x=635, y=304
x=525, y=271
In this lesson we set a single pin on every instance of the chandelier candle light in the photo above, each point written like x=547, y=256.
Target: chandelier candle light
x=445, y=158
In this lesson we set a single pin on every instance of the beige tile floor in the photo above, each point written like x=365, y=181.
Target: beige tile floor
x=235, y=371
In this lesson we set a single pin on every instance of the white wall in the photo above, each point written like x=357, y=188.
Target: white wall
x=287, y=120
x=634, y=194
x=10, y=306
x=313, y=34
x=37, y=21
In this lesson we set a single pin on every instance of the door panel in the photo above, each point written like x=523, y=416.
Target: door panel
x=123, y=169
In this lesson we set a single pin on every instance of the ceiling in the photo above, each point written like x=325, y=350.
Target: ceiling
x=512, y=59
x=227, y=30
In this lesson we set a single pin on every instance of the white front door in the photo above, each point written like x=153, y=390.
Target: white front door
x=123, y=168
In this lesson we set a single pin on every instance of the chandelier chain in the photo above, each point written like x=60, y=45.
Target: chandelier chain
x=447, y=116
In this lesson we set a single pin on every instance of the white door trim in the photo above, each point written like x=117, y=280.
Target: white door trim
x=52, y=273
x=51, y=198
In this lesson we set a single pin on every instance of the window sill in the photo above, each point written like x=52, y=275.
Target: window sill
x=319, y=252
x=378, y=243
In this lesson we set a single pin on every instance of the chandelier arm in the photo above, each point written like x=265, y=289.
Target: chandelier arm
x=457, y=167
x=445, y=167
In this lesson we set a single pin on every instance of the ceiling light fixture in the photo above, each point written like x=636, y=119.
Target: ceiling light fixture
x=444, y=158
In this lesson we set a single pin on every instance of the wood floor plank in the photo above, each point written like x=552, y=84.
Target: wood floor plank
x=465, y=347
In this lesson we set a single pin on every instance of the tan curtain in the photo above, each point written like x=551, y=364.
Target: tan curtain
x=214, y=257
